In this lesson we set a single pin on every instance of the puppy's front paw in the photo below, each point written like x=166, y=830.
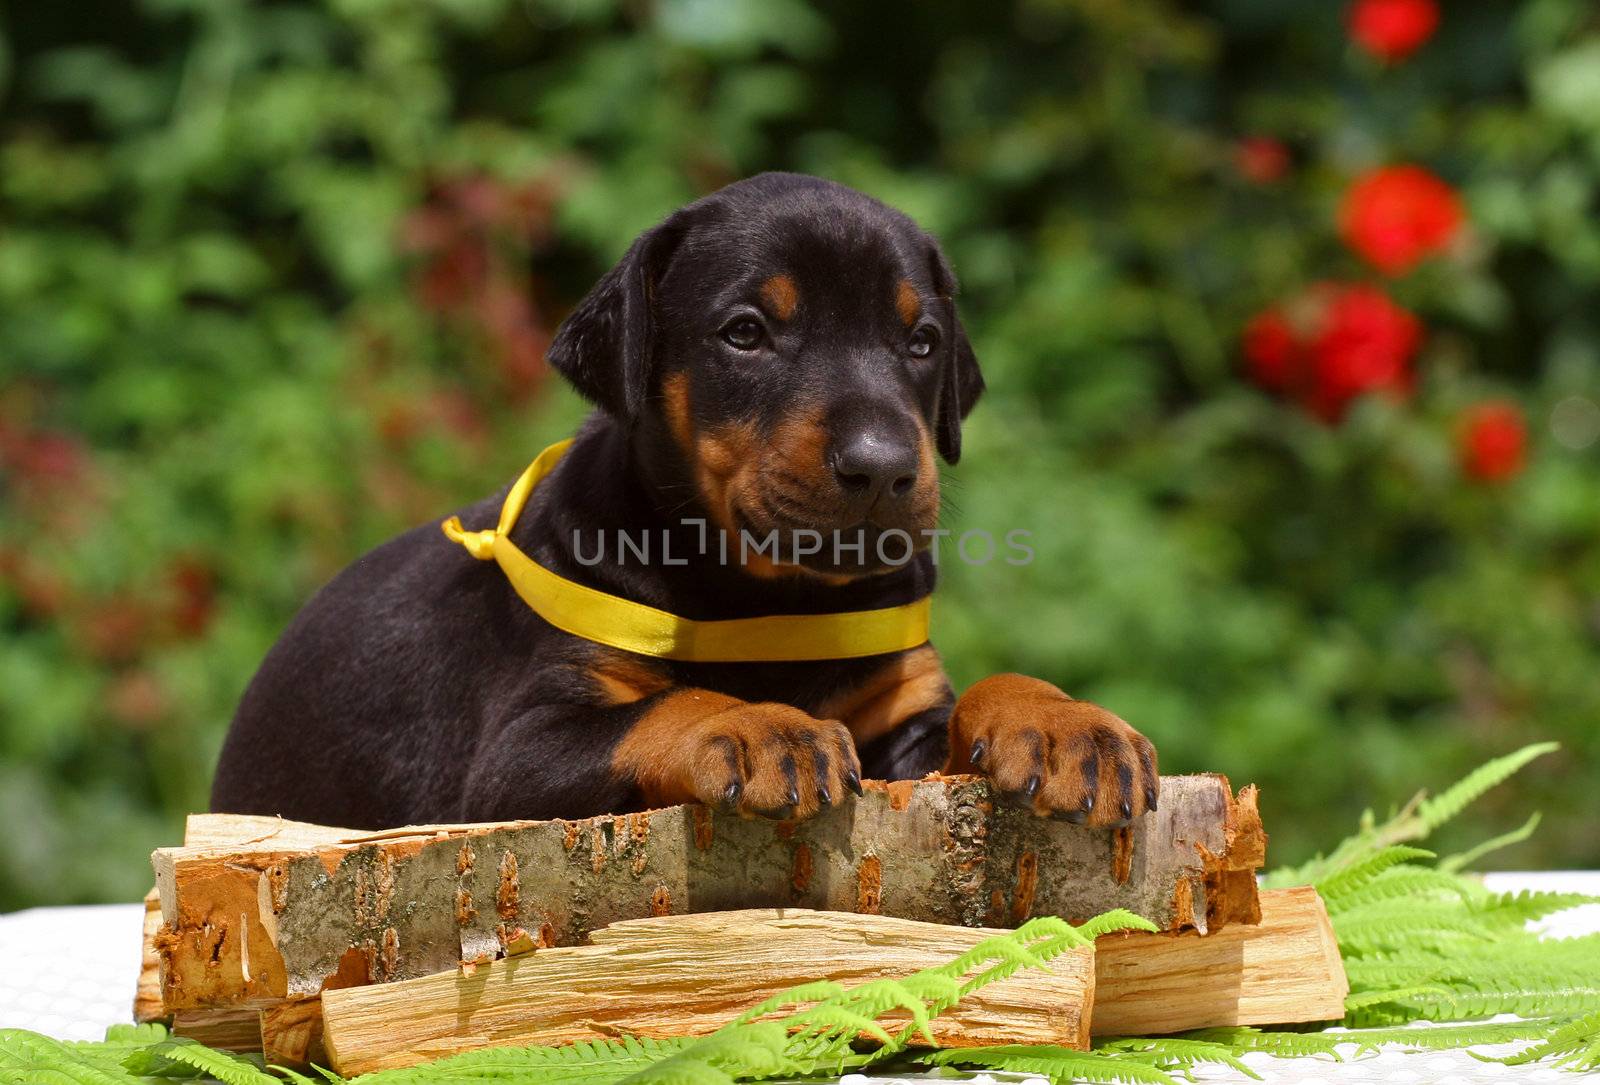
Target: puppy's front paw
x=769, y=760
x=1072, y=759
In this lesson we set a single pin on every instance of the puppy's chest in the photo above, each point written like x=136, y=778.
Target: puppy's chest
x=869, y=696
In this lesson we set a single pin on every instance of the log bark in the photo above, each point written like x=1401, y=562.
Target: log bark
x=302, y=909
x=687, y=976
x=1285, y=970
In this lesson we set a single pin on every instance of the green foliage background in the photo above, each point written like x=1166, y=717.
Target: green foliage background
x=275, y=279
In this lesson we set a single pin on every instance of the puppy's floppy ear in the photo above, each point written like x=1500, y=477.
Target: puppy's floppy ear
x=605, y=347
x=960, y=381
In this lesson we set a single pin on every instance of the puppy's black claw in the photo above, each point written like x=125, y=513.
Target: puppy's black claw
x=1127, y=811
x=1150, y=795
x=824, y=796
x=1031, y=788
x=979, y=748
x=730, y=796
x=1088, y=804
x=794, y=796
x=852, y=780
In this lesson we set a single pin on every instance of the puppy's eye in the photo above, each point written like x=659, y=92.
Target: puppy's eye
x=745, y=333
x=923, y=340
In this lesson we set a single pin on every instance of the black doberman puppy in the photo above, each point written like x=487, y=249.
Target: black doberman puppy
x=782, y=354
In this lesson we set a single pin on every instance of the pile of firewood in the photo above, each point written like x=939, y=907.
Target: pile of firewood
x=363, y=951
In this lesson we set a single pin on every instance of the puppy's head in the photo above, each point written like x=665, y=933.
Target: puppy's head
x=794, y=346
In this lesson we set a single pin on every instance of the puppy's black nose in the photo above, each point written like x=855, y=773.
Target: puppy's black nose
x=871, y=466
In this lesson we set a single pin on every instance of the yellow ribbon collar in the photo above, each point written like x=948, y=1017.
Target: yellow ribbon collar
x=634, y=627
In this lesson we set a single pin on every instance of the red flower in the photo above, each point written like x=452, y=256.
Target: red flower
x=1336, y=343
x=1365, y=343
x=1399, y=215
x=1271, y=351
x=1392, y=30
x=1261, y=160
x=1493, y=441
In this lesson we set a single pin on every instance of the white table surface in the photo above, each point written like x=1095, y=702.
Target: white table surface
x=70, y=972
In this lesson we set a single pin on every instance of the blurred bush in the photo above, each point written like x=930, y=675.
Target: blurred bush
x=276, y=281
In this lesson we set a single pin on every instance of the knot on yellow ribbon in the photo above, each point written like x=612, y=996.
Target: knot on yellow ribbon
x=480, y=544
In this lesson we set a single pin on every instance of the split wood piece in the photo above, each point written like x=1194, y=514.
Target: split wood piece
x=291, y=1033
x=147, y=992
x=247, y=830
x=227, y=1030
x=1286, y=970
x=687, y=976
x=250, y=925
x=288, y=1033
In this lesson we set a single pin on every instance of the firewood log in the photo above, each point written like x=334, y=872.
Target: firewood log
x=1285, y=970
x=301, y=909
x=687, y=976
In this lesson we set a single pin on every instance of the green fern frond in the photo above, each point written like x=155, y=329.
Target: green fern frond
x=1434, y=812
x=595, y=1062
x=136, y=1035
x=1282, y=1044
x=1442, y=1037
x=28, y=1058
x=1450, y=864
x=1502, y=994
x=1176, y=1053
x=1575, y=1045
x=1390, y=928
x=877, y=998
x=160, y=1059
x=295, y=1077
x=1414, y=821
x=754, y=1050
x=1516, y=909
x=794, y=996
x=1059, y=1064
x=1118, y=919
x=1336, y=887
x=827, y=1022
x=1367, y=999
x=1415, y=884
x=1000, y=951
x=936, y=990
x=1043, y=928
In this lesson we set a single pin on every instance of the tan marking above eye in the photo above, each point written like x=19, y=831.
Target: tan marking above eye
x=781, y=296
x=907, y=302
